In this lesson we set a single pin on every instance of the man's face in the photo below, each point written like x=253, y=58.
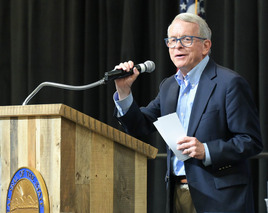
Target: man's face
x=186, y=58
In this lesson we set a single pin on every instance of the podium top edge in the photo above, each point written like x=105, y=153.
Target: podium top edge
x=30, y=110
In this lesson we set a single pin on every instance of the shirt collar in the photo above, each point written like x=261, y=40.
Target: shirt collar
x=194, y=75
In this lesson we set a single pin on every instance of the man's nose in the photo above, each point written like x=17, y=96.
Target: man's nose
x=178, y=44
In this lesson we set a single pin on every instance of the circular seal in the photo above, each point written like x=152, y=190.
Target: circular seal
x=27, y=192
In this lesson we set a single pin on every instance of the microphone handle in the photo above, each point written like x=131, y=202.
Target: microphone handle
x=119, y=73
x=116, y=74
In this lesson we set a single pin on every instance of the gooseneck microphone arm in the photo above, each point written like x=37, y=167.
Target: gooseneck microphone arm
x=62, y=86
x=147, y=66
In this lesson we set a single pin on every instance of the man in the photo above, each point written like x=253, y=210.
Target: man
x=216, y=109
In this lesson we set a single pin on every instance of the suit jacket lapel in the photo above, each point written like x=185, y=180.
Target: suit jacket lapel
x=203, y=93
x=172, y=98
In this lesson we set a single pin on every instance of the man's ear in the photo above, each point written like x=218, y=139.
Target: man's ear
x=207, y=46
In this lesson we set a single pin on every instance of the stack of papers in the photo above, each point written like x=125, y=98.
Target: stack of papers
x=171, y=130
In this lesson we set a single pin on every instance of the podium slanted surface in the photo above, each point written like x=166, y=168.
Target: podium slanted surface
x=87, y=166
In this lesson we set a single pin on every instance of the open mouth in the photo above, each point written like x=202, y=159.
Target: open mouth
x=180, y=55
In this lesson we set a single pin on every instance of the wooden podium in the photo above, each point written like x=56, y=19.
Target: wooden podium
x=87, y=166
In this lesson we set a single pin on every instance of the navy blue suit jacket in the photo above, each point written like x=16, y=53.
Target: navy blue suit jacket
x=225, y=117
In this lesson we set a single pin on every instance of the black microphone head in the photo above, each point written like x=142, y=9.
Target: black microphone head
x=150, y=66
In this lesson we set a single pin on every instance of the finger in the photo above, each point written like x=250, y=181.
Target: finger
x=131, y=64
x=135, y=71
x=120, y=66
x=183, y=146
x=186, y=152
x=126, y=66
x=184, y=140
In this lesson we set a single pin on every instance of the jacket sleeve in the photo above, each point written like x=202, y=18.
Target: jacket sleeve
x=138, y=122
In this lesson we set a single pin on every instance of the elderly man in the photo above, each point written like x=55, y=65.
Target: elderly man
x=216, y=109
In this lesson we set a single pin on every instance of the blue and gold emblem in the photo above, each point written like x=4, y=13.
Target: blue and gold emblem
x=27, y=192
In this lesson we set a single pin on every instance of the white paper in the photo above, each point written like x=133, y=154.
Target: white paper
x=171, y=130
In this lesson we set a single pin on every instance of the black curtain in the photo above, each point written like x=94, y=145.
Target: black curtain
x=76, y=41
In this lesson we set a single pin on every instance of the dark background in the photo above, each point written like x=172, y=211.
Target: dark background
x=75, y=41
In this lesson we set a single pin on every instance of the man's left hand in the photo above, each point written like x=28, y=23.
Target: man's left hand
x=192, y=147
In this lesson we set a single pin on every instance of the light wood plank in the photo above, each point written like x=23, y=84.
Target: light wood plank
x=140, y=183
x=31, y=142
x=101, y=175
x=124, y=179
x=13, y=145
x=50, y=158
x=4, y=161
x=82, y=198
x=82, y=168
x=22, y=146
x=67, y=169
x=38, y=142
x=82, y=155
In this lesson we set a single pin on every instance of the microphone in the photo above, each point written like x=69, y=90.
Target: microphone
x=147, y=66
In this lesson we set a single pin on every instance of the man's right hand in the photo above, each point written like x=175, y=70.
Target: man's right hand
x=123, y=85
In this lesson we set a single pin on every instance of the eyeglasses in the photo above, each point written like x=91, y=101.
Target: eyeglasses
x=185, y=41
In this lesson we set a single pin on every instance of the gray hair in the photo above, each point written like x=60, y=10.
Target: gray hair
x=204, y=30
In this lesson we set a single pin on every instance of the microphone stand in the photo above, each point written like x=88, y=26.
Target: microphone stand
x=108, y=76
x=63, y=86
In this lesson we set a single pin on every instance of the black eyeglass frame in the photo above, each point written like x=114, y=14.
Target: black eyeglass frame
x=181, y=38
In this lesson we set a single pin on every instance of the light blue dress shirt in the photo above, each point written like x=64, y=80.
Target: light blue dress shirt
x=188, y=87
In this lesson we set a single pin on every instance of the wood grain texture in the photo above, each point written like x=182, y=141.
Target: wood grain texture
x=82, y=169
x=4, y=161
x=101, y=174
x=87, y=166
x=140, y=183
x=124, y=179
x=13, y=145
x=22, y=148
x=49, y=158
x=82, y=155
x=67, y=181
x=31, y=133
x=81, y=119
